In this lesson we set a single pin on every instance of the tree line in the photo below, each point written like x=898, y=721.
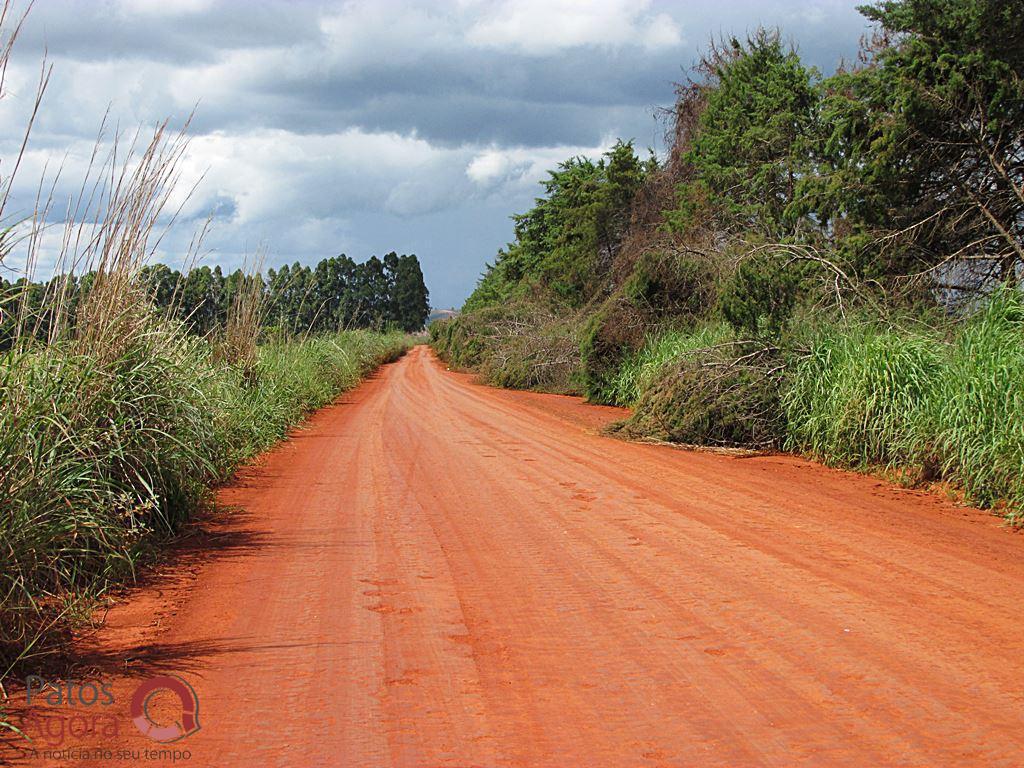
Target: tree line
x=338, y=293
x=893, y=187
x=903, y=170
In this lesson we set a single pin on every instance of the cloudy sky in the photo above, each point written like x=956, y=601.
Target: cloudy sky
x=365, y=127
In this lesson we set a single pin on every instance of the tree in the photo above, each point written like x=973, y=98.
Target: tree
x=927, y=146
x=565, y=244
x=200, y=299
x=163, y=284
x=394, y=309
x=371, y=294
x=749, y=149
x=410, y=297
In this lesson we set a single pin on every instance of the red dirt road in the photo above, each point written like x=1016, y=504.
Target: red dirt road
x=435, y=573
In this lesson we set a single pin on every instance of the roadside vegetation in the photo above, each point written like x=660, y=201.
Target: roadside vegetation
x=829, y=265
x=127, y=394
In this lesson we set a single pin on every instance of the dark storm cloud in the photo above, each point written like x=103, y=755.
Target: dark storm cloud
x=103, y=30
x=450, y=94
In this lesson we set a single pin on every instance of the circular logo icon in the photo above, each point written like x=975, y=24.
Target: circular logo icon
x=165, y=734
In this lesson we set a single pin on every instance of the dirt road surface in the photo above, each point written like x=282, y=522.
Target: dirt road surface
x=435, y=573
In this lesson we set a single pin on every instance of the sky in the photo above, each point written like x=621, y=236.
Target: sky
x=364, y=127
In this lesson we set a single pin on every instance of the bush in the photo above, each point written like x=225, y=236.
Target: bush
x=520, y=345
x=613, y=334
x=673, y=284
x=639, y=372
x=713, y=396
x=758, y=298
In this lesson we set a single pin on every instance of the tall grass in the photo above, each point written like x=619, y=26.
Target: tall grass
x=114, y=429
x=639, y=373
x=855, y=397
x=971, y=427
x=933, y=402
x=950, y=409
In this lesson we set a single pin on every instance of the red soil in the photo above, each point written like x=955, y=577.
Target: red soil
x=438, y=573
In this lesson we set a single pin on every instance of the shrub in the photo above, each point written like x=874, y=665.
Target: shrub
x=758, y=298
x=613, y=334
x=714, y=396
x=640, y=371
x=673, y=284
x=521, y=345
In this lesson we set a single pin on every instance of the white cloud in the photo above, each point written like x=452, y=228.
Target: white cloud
x=163, y=7
x=540, y=27
x=507, y=169
x=360, y=33
x=271, y=174
x=488, y=167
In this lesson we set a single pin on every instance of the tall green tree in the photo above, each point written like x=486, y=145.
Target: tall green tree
x=749, y=151
x=410, y=296
x=926, y=138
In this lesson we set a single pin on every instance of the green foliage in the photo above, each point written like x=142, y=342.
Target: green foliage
x=410, y=300
x=638, y=373
x=675, y=284
x=337, y=294
x=100, y=452
x=518, y=345
x=568, y=239
x=750, y=146
x=954, y=410
x=613, y=334
x=852, y=400
x=758, y=298
x=925, y=140
x=562, y=255
x=971, y=429
x=705, y=396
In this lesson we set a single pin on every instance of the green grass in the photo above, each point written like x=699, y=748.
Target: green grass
x=855, y=397
x=971, y=428
x=639, y=372
x=942, y=408
x=943, y=401
x=101, y=453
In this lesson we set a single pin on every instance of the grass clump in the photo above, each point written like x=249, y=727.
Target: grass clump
x=971, y=427
x=948, y=409
x=853, y=399
x=639, y=372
